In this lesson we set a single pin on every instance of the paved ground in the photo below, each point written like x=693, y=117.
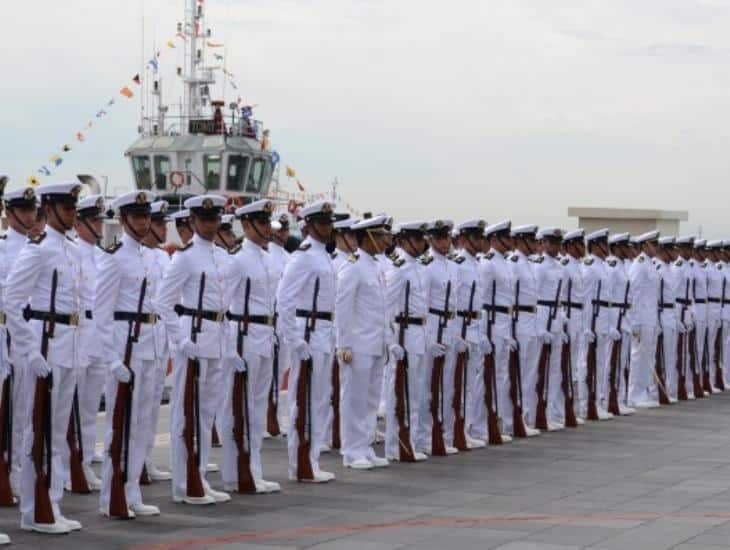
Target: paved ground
x=659, y=479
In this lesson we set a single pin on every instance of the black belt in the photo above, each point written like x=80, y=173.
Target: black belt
x=715, y=300
x=215, y=316
x=666, y=306
x=525, y=309
x=267, y=320
x=684, y=302
x=700, y=301
x=418, y=321
x=546, y=303
x=620, y=305
x=71, y=319
x=321, y=315
x=472, y=315
x=574, y=305
x=498, y=309
x=602, y=303
x=441, y=313
x=148, y=318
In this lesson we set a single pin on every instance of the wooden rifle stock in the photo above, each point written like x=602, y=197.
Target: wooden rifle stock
x=516, y=393
x=402, y=394
x=490, y=395
x=75, y=448
x=592, y=381
x=659, y=367
x=6, y=441
x=460, y=380
x=272, y=409
x=706, y=384
x=567, y=385
x=543, y=365
x=336, y=440
x=719, y=376
x=681, y=363
x=303, y=422
x=692, y=348
x=438, y=445
x=144, y=477
x=613, y=377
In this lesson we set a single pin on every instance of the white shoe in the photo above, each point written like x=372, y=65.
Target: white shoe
x=72, y=524
x=690, y=396
x=646, y=405
x=474, y=443
x=218, y=496
x=105, y=512
x=92, y=481
x=427, y=452
x=604, y=415
x=379, y=462
x=672, y=400
x=270, y=486
x=145, y=509
x=506, y=438
x=325, y=448
x=267, y=435
x=197, y=501
x=98, y=458
x=4, y=539
x=531, y=432
x=212, y=467
x=359, y=464
x=555, y=426
x=156, y=474
x=626, y=411
x=580, y=421
x=451, y=450
x=57, y=528
x=715, y=390
x=419, y=457
x=319, y=477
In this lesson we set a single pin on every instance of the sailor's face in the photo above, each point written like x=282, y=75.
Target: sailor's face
x=206, y=227
x=22, y=218
x=64, y=212
x=441, y=243
x=138, y=223
x=160, y=229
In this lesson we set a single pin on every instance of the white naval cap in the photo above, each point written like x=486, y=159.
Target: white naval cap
x=158, y=210
x=410, y=227
x=21, y=197
x=275, y=226
x=206, y=205
x=320, y=211
x=343, y=226
x=454, y=233
x=440, y=226
x=667, y=241
x=726, y=244
x=283, y=219
x=714, y=244
x=619, y=238
x=4, y=179
x=700, y=243
x=139, y=201
x=550, y=233
x=380, y=223
x=687, y=240
x=260, y=209
x=529, y=229
x=65, y=191
x=472, y=225
x=91, y=206
x=575, y=235
x=181, y=216
x=648, y=237
x=598, y=234
x=227, y=221
x=499, y=227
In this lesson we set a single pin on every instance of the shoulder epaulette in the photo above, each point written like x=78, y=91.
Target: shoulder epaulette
x=393, y=256
x=70, y=239
x=234, y=249
x=489, y=255
x=658, y=266
x=704, y=264
x=679, y=263
x=38, y=239
x=460, y=259
x=612, y=263
x=399, y=262
x=452, y=255
x=333, y=255
x=588, y=261
x=352, y=258
x=538, y=260
x=3, y=237
x=564, y=261
x=640, y=258
x=186, y=247
x=514, y=257
x=425, y=260
x=304, y=247
x=112, y=248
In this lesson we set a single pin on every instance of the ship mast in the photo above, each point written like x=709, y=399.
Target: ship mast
x=197, y=77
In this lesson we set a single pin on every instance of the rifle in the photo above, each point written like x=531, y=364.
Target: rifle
x=681, y=356
x=121, y=419
x=616, y=352
x=460, y=381
x=692, y=344
x=335, y=401
x=191, y=405
x=304, y=399
x=659, y=364
x=76, y=449
x=592, y=362
x=272, y=411
x=402, y=393
x=515, y=374
x=6, y=435
x=543, y=367
x=438, y=446
x=42, y=434
x=719, y=359
x=490, y=379
x=239, y=402
x=566, y=367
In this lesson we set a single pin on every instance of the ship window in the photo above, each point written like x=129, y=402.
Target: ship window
x=255, y=176
x=142, y=172
x=162, y=168
x=237, y=166
x=212, y=168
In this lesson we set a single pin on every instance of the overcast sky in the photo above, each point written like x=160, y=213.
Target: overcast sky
x=489, y=108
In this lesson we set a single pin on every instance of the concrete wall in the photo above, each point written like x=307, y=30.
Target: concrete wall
x=633, y=226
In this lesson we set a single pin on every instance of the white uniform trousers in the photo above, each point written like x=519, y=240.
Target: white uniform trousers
x=625, y=359
x=504, y=402
x=529, y=355
x=701, y=330
x=671, y=376
x=711, y=337
x=726, y=351
x=476, y=408
x=554, y=381
x=144, y=377
x=448, y=412
x=642, y=385
x=158, y=380
x=421, y=434
x=415, y=387
x=321, y=388
x=64, y=381
x=603, y=358
x=210, y=384
x=360, y=385
x=20, y=421
x=260, y=372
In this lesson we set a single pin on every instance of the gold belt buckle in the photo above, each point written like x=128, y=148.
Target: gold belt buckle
x=152, y=318
x=220, y=316
x=73, y=319
x=2, y=318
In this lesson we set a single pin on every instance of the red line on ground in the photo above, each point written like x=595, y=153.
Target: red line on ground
x=412, y=524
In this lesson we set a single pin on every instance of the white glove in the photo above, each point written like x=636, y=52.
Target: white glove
x=614, y=335
x=512, y=344
x=545, y=337
x=302, y=349
x=589, y=336
x=190, y=349
x=4, y=369
x=344, y=355
x=236, y=363
x=460, y=345
x=636, y=331
x=486, y=347
x=681, y=326
x=120, y=372
x=39, y=366
x=564, y=338
x=436, y=350
x=396, y=352
x=626, y=330
x=689, y=324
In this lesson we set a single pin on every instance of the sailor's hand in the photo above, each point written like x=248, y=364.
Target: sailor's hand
x=344, y=355
x=589, y=336
x=39, y=366
x=436, y=350
x=546, y=337
x=486, y=346
x=302, y=349
x=120, y=372
x=689, y=324
x=190, y=349
x=564, y=338
x=236, y=363
x=396, y=352
x=681, y=327
x=460, y=345
x=614, y=335
x=512, y=344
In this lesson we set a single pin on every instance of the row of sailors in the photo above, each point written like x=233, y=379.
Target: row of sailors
x=344, y=321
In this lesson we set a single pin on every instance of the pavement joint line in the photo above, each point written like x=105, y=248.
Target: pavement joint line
x=304, y=532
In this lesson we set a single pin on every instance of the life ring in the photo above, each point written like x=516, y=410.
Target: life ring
x=177, y=179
